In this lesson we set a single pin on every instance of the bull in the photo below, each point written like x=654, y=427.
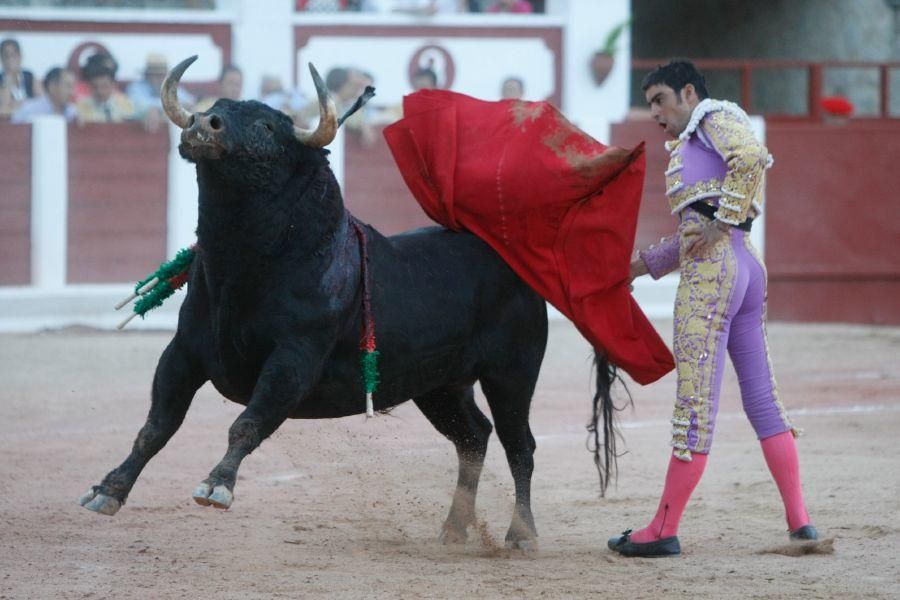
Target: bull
x=276, y=303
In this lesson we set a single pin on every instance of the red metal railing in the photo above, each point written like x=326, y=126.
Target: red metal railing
x=815, y=79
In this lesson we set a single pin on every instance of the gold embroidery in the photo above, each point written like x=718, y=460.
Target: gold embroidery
x=681, y=197
x=745, y=158
x=702, y=300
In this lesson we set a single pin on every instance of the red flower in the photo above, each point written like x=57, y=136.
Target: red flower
x=837, y=106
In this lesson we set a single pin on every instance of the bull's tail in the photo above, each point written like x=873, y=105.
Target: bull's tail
x=604, y=419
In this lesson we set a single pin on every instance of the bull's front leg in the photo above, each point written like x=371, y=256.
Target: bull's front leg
x=285, y=380
x=178, y=377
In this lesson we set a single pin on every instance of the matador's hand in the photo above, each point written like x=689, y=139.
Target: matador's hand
x=702, y=238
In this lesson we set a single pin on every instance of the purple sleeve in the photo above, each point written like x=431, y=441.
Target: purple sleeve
x=662, y=258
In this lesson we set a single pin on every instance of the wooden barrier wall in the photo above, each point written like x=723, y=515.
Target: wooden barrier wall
x=15, y=204
x=374, y=191
x=833, y=228
x=118, y=194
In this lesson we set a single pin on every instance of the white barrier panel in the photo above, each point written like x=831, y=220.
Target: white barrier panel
x=182, y=207
x=49, y=202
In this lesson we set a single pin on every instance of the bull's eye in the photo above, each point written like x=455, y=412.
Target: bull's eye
x=269, y=127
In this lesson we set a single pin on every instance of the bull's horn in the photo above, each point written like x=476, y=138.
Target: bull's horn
x=327, y=129
x=168, y=93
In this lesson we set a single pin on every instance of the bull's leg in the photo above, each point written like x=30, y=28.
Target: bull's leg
x=510, y=398
x=281, y=384
x=453, y=412
x=178, y=377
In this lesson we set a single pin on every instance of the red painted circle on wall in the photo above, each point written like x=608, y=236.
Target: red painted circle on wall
x=79, y=55
x=437, y=59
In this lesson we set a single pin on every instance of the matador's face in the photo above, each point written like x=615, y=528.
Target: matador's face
x=670, y=109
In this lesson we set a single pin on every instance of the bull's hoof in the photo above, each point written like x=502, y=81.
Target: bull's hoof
x=522, y=545
x=217, y=497
x=100, y=503
x=453, y=535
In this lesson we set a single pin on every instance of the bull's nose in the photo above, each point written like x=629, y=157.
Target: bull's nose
x=204, y=127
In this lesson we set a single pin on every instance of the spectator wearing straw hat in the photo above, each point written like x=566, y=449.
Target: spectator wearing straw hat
x=144, y=93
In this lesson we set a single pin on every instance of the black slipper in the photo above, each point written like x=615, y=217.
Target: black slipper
x=622, y=544
x=805, y=533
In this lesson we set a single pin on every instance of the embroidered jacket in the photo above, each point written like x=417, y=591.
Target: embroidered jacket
x=716, y=159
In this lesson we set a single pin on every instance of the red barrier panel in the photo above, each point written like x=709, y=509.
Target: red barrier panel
x=15, y=204
x=118, y=191
x=655, y=219
x=374, y=191
x=833, y=227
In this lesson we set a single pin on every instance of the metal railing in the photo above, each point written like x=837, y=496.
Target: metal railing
x=815, y=76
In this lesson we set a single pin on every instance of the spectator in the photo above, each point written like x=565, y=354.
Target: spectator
x=272, y=93
x=231, y=85
x=369, y=118
x=144, y=94
x=99, y=59
x=106, y=104
x=16, y=84
x=424, y=79
x=58, y=86
x=511, y=6
x=513, y=88
x=424, y=8
x=345, y=87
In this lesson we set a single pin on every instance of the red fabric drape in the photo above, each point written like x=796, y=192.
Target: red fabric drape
x=558, y=206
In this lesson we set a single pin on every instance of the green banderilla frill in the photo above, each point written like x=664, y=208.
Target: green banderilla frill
x=167, y=270
x=159, y=285
x=371, y=378
x=154, y=298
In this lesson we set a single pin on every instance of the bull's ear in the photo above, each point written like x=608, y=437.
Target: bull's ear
x=168, y=93
x=328, y=123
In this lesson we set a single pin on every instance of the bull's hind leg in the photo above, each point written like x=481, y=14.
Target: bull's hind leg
x=509, y=397
x=176, y=381
x=453, y=412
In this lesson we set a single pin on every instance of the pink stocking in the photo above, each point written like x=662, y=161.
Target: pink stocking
x=781, y=456
x=681, y=479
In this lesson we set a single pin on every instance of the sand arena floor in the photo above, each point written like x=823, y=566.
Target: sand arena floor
x=352, y=509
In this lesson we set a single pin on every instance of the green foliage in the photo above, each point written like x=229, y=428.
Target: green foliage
x=612, y=38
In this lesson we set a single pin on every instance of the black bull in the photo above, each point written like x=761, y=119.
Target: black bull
x=273, y=314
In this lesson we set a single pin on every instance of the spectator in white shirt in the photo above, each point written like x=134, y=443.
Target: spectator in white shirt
x=58, y=87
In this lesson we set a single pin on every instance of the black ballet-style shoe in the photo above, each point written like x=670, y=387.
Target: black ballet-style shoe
x=622, y=544
x=804, y=534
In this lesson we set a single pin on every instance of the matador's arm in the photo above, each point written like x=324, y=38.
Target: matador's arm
x=661, y=258
x=745, y=158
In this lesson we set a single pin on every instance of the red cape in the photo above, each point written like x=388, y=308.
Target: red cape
x=558, y=206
